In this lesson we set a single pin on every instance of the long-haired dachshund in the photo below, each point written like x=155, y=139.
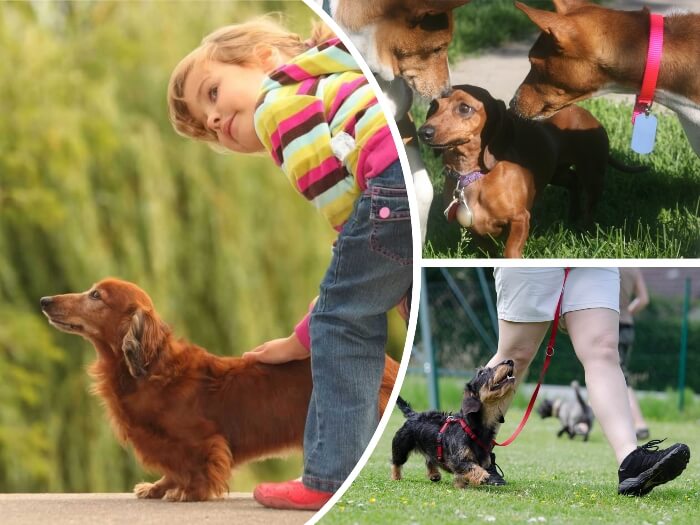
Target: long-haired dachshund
x=460, y=443
x=189, y=415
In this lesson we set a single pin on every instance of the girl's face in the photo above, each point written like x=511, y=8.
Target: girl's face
x=223, y=98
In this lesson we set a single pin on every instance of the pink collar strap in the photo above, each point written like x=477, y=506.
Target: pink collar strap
x=651, y=72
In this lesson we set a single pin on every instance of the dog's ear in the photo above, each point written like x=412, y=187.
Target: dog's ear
x=564, y=6
x=554, y=24
x=144, y=337
x=470, y=404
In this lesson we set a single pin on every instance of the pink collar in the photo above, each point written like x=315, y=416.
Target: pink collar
x=651, y=71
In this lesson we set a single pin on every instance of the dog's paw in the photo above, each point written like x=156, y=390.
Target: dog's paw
x=180, y=494
x=395, y=473
x=148, y=491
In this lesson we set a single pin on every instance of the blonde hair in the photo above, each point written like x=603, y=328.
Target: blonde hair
x=233, y=44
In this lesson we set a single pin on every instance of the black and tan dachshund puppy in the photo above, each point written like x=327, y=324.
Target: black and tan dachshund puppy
x=460, y=443
x=501, y=163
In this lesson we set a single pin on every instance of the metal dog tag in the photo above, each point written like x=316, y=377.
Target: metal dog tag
x=644, y=134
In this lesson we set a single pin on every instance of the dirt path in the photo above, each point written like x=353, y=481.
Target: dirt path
x=113, y=509
x=501, y=70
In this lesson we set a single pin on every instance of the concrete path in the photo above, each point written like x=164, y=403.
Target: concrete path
x=118, y=509
x=501, y=70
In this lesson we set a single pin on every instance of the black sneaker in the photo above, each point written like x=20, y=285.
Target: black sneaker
x=495, y=473
x=647, y=467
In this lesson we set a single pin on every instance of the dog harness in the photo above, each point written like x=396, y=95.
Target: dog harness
x=467, y=430
x=459, y=208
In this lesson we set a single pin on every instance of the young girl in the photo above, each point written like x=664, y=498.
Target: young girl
x=256, y=87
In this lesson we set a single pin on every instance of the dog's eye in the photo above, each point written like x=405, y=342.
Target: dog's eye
x=465, y=109
x=95, y=294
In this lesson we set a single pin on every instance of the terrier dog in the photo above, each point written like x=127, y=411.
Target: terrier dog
x=460, y=444
x=575, y=415
x=586, y=50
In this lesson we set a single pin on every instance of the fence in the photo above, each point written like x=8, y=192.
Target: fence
x=461, y=322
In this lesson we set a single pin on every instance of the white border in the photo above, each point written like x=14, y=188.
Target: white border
x=417, y=253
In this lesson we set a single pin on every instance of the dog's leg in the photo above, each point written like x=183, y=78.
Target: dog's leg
x=519, y=230
x=421, y=184
x=207, y=481
x=561, y=432
x=470, y=474
x=154, y=490
x=401, y=446
x=433, y=470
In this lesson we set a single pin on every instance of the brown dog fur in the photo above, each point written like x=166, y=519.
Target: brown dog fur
x=413, y=38
x=189, y=414
x=578, y=56
x=521, y=158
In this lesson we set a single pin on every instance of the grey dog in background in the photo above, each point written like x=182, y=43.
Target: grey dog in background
x=575, y=415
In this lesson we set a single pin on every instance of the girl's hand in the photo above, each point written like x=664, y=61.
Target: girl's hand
x=278, y=351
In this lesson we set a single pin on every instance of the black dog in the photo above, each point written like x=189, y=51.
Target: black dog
x=461, y=443
x=500, y=163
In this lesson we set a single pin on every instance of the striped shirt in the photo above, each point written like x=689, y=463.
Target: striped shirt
x=320, y=121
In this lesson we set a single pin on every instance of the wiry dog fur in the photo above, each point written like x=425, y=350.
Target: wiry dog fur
x=575, y=415
x=189, y=414
x=485, y=398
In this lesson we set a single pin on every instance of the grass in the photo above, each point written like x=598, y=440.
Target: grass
x=550, y=480
x=648, y=215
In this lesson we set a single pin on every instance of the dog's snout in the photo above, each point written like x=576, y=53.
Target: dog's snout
x=426, y=133
x=510, y=362
x=45, y=302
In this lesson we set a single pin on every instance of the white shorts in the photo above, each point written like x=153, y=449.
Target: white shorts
x=528, y=295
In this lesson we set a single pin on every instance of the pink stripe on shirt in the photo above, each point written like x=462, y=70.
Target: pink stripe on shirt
x=317, y=173
x=294, y=121
x=343, y=93
x=376, y=156
x=296, y=72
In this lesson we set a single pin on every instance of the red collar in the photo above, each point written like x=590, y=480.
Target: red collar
x=651, y=71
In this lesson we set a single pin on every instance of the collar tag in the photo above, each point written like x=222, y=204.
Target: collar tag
x=644, y=133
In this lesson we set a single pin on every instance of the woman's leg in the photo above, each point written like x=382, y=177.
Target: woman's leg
x=594, y=334
x=519, y=342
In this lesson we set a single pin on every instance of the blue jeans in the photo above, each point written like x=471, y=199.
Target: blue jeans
x=371, y=270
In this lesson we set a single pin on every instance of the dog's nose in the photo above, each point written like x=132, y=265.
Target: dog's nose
x=426, y=133
x=45, y=301
x=510, y=362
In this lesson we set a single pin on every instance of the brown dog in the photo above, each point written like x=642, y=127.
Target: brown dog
x=402, y=38
x=586, y=49
x=517, y=159
x=190, y=415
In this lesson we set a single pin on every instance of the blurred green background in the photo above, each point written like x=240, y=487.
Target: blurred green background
x=94, y=182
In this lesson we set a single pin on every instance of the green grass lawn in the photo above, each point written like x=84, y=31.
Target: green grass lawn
x=550, y=480
x=648, y=215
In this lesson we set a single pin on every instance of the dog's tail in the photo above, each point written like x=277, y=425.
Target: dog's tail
x=404, y=406
x=621, y=166
x=579, y=397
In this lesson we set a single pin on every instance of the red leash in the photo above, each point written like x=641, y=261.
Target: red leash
x=547, y=359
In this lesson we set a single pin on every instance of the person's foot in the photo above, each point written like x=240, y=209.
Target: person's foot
x=290, y=495
x=642, y=433
x=495, y=473
x=647, y=467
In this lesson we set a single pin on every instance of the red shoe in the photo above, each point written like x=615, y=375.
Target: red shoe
x=290, y=495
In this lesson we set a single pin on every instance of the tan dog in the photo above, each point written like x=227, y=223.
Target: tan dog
x=585, y=50
x=402, y=38
x=507, y=161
